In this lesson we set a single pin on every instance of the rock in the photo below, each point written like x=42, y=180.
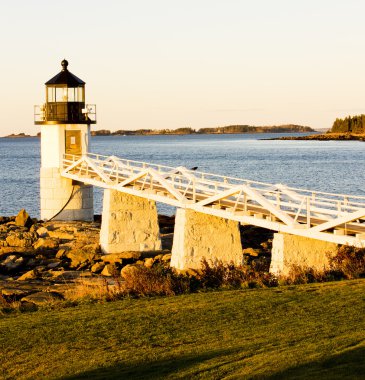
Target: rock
x=61, y=253
x=24, y=240
x=23, y=219
x=148, y=254
x=112, y=258
x=14, y=293
x=251, y=252
x=4, y=219
x=31, y=275
x=27, y=306
x=54, y=264
x=12, y=262
x=79, y=257
x=135, y=255
x=42, y=298
x=266, y=245
x=148, y=263
x=109, y=270
x=97, y=267
x=42, y=232
x=46, y=243
x=166, y=258
x=128, y=270
x=68, y=275
x=61, y=235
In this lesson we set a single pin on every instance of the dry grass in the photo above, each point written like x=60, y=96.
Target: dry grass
x=96, y=290
x=8, y=305
x=349, y=262
x=160, y=280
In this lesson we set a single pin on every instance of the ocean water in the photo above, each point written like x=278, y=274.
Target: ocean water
x=331, y=166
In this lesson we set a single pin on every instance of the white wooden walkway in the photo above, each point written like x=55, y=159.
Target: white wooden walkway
x=330, y=217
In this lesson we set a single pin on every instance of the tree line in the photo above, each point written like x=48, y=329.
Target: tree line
x=230, y=129
x=350, y=124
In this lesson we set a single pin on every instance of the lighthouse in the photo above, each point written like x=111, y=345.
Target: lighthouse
x=65, y=121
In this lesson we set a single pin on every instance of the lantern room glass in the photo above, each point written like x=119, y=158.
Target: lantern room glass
x=57, y=94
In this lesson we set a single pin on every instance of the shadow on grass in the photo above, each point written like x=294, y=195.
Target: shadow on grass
x=347, y=365
x=153, y=369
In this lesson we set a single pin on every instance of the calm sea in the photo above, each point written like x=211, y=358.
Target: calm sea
x=332, y=166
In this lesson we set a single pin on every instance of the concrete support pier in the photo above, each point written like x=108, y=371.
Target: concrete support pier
x=289, y=250
x=56, y=192
x=129, y=223
x=199, y=236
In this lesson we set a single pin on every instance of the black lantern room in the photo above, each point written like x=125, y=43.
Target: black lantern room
x=65, y=101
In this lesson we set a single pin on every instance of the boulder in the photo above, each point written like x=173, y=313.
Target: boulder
x=42, y=298
x=67, y=275
x=61, y=253
x=251, y=252
x=112, y=258
x=4, y=219
x=166, y=258
x=27, y=306
x=14, y=293
x=109, y=270
x=31, y=275
x=62, y=235
x=42, y=232
x=46, y=243
x=19, y=239
x=128, y=270
x=12, y=262
x=79, y=257
x=53, y=264
x=23, y=219
x=97, y=267
x=148, y=263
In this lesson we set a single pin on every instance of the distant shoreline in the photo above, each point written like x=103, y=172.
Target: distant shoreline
x=18, y=136
x=325, y=137
x=230, y=129
x=227, y=130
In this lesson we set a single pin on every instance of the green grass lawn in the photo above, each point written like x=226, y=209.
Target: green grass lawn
x=300, y=332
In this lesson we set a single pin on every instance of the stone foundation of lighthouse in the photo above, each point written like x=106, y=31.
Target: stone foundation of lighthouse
x=62, y=198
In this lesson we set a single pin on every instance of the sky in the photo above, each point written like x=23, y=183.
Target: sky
x=187, y=63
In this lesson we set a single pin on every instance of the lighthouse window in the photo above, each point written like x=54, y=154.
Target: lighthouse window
x=80, y=94
x=71, y=94
x=61, y=94
x=51, y=94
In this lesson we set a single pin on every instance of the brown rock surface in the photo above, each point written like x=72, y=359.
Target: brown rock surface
x=42, y=298
x=23, y=219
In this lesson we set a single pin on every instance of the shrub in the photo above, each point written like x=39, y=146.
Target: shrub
x=217, y=275
x=303, y=275
x=349, y=263
x=155, y=281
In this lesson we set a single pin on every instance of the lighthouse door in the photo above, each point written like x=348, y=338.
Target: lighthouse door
x=73, y=142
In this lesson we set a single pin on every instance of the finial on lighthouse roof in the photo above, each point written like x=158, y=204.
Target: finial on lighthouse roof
x=64, y=65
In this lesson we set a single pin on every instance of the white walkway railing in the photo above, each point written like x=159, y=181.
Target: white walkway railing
x=337, y=218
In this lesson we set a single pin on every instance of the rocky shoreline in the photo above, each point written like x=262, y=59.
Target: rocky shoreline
x=40, y=262
x=325, y=137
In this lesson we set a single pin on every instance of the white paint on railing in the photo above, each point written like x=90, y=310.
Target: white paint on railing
x=302, y=212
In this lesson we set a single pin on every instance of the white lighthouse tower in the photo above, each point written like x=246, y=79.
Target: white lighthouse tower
x=65, y=122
